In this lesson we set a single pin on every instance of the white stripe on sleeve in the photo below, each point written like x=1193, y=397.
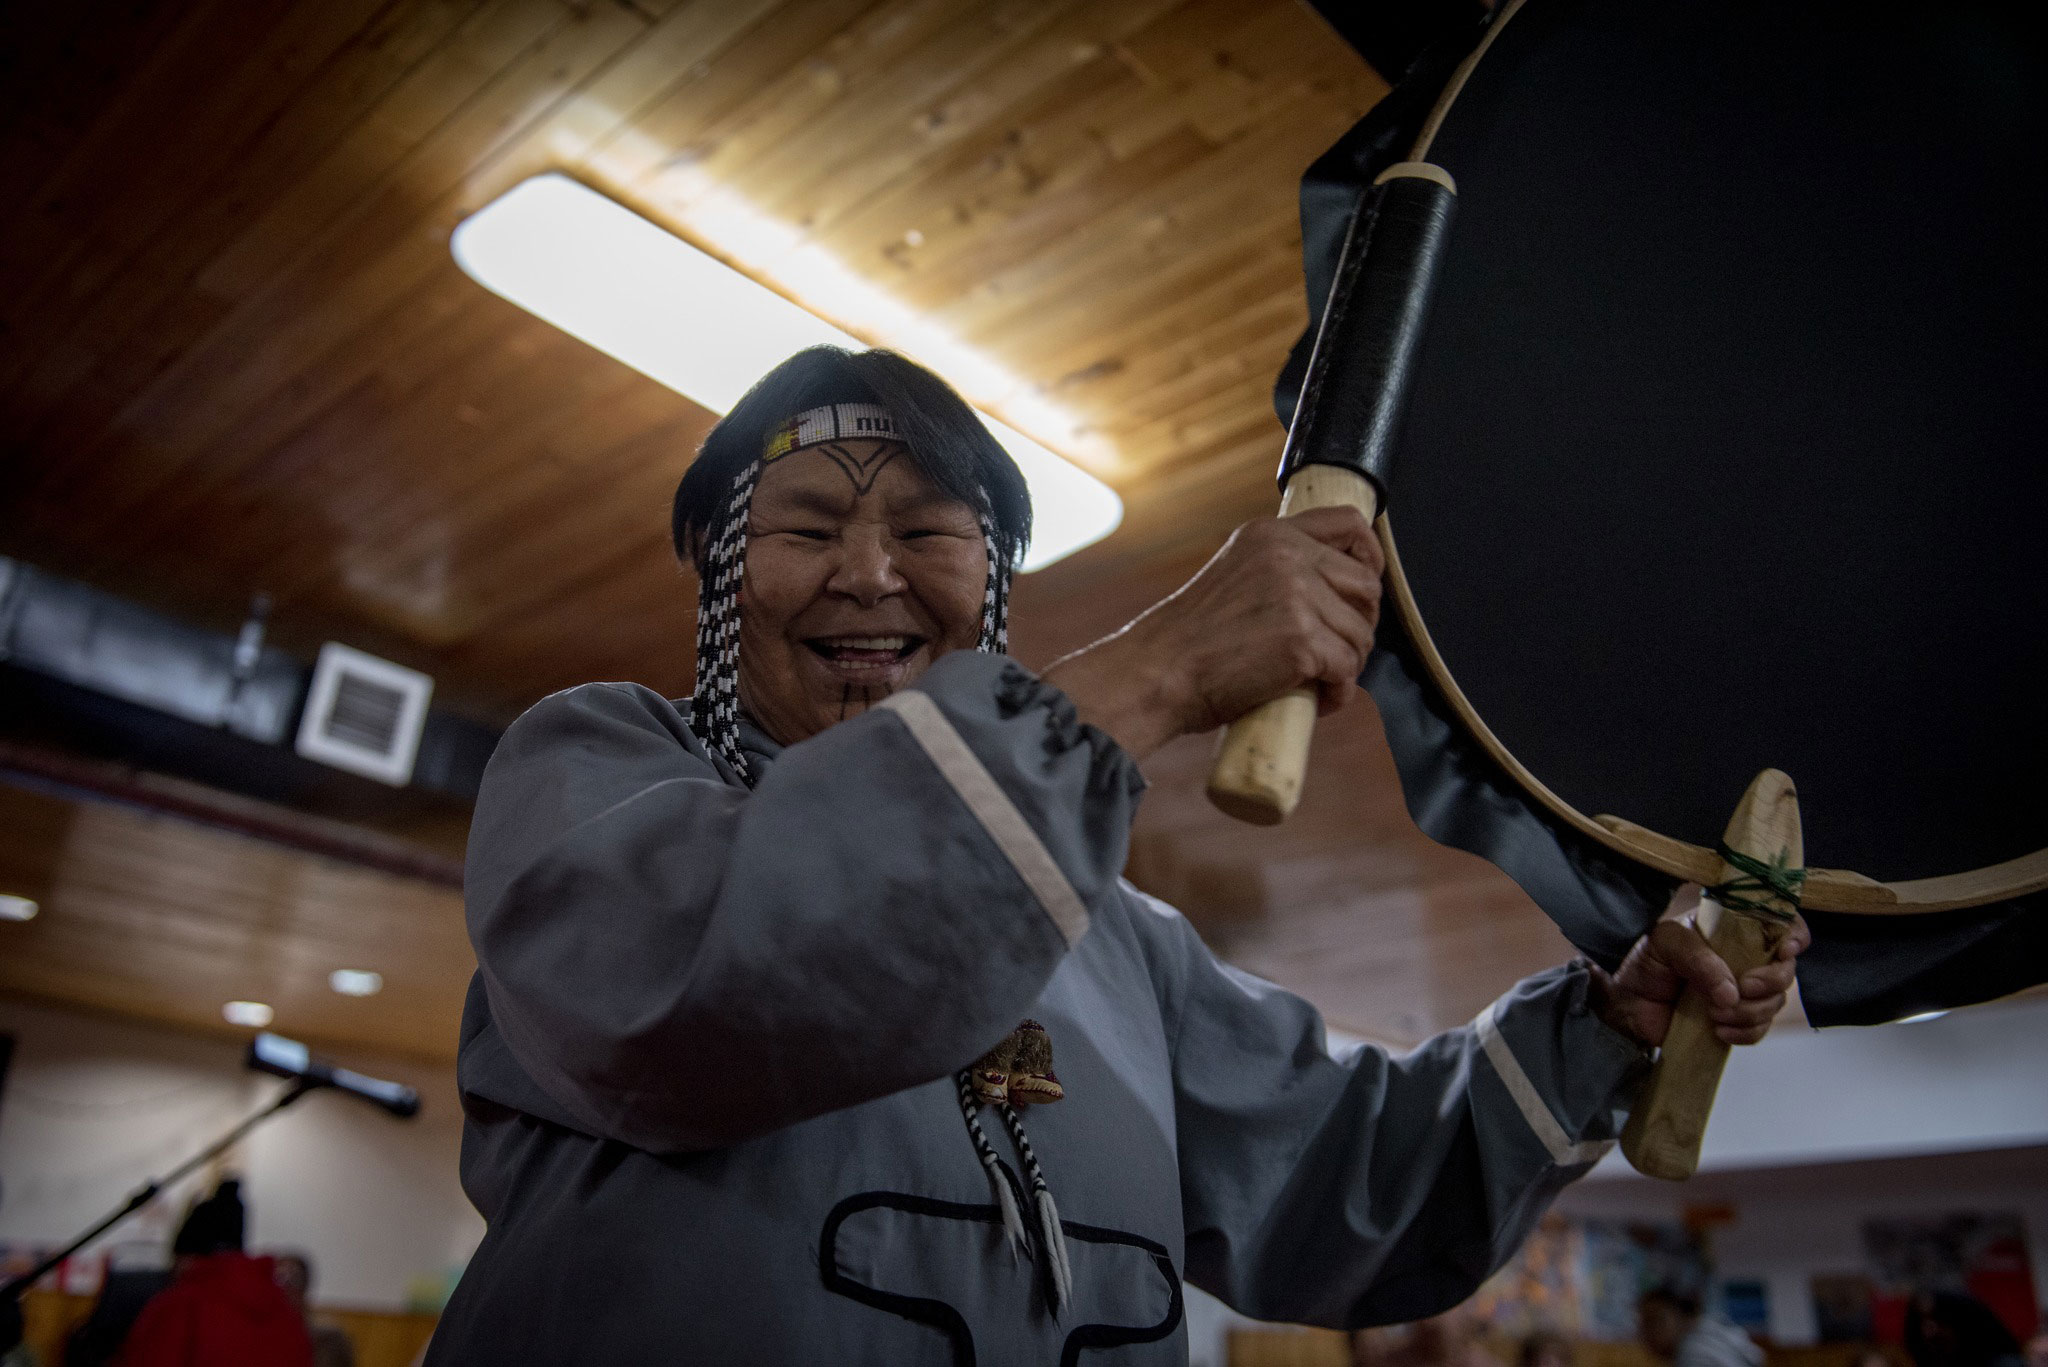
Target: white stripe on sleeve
x=1560, y=1146
x=992, y=807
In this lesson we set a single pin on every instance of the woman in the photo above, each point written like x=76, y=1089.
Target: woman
x=223, y=1308
x=759, y=1062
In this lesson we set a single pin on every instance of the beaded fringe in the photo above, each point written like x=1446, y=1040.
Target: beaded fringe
x=1013, y=1222
x=1052, y=1238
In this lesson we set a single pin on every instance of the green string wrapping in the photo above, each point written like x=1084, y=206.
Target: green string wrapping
x=1767, y=890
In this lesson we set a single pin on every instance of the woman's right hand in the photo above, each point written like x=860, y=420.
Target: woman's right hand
x=1286, y=603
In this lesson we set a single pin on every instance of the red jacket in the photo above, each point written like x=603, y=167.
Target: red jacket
x=224, y=1310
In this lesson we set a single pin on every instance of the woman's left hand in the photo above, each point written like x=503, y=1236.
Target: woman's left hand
x=1638, y=998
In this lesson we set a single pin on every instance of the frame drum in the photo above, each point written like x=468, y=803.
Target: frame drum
x=1727, y=440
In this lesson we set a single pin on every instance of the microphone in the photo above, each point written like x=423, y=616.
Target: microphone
x=283, y=1057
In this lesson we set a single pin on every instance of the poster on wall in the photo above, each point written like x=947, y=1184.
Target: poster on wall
x=1978, y=1254
x=1583, y=1278
x=1624, y=1261
x=1747, y=1304
x=1538, y=1289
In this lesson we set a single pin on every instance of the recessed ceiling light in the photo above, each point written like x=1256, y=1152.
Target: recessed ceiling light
x=253, y=1014
x=639, y=293
x=356, y=982
x=14, y=908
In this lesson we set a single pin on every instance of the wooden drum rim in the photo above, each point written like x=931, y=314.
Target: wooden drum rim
x=1826, y=889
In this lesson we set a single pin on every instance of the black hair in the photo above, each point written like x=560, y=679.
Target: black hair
x=947, y=441
x=1949, y=1327
x=1683, y=1302
x=215, y=1224
x=1541, y=1342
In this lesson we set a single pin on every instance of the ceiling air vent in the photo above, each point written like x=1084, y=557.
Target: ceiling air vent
x=364, y=714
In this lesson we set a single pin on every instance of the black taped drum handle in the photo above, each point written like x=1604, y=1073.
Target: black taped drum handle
x=1337, y=449
x=1359, y=371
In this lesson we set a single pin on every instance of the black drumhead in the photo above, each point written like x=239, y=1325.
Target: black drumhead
x=1725, y=447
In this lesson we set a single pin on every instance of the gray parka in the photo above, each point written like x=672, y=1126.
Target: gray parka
x=707, y=1061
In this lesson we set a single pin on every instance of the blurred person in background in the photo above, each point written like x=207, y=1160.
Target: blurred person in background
x=223, y=1308
x=1948, y=1329
x=1447, y=1340
x=1670, y=1324
x=1545, y=1348
x=331, y=1344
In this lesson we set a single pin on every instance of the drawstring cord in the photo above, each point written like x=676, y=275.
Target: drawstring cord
x=1052, y=1239
x=1018, y=1072
x=1013, y=1223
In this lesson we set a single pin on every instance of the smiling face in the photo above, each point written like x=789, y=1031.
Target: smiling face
x=859, y=574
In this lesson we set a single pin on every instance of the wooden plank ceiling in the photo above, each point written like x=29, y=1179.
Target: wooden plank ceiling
x=236, y=356
x=151, y=916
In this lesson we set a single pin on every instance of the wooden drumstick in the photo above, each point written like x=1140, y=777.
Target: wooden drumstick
x=1337, y=446
x=1263, y=757
x=1744, y=917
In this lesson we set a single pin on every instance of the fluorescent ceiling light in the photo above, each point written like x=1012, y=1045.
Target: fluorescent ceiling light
x=642, y=295
x=14, y=908
x=356, y=982
x=254, y=1014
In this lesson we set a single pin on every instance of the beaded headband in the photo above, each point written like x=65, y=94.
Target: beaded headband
x=832, y=422
x=715, y=704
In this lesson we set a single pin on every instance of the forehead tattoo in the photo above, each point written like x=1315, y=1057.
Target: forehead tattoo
x=715, y=702
x=861, y=469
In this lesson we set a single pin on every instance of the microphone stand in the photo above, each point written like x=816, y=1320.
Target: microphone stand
x=11, y=1293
